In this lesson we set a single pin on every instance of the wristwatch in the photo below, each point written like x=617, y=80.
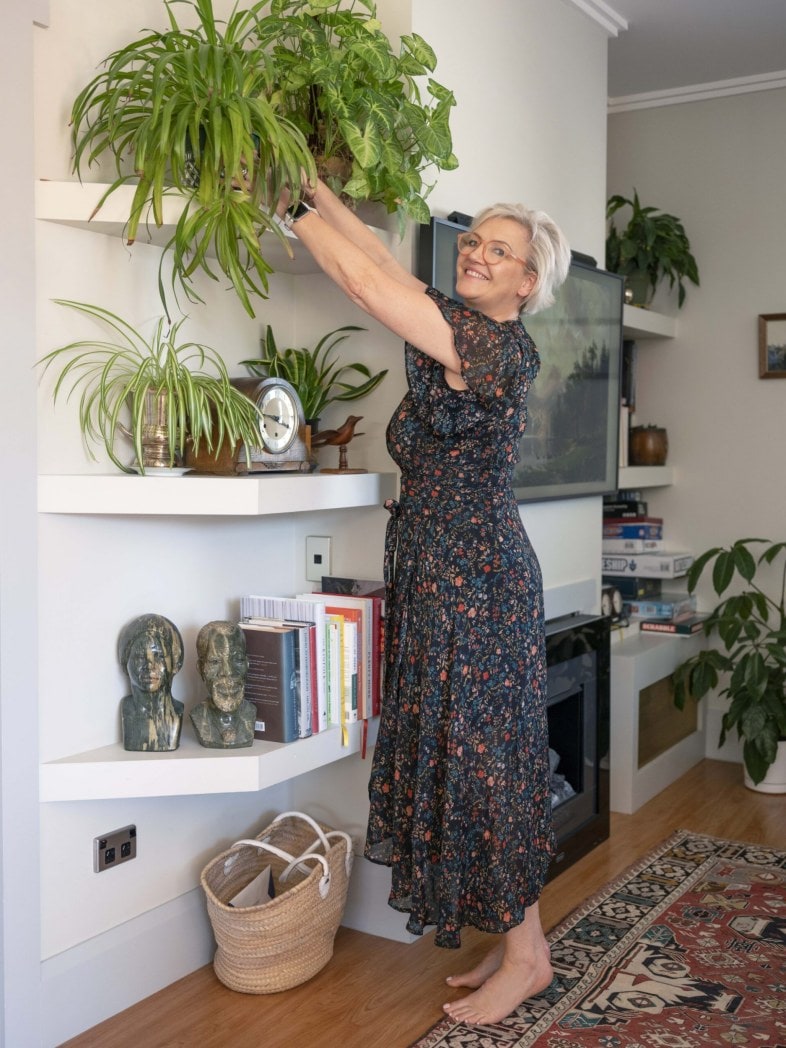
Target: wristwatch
x=296, y=212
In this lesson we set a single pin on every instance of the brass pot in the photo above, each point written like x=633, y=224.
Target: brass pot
x=649, y=446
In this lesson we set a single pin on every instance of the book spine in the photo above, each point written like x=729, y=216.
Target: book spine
x=632, y=545
x=650, y=529
x=653, y=609
x=682, y=628
x=271, y=683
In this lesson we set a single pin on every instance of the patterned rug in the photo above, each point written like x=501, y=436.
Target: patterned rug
x=686, y=949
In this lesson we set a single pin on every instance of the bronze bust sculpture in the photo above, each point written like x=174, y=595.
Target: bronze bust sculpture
x=225, y=719
x=150, y=650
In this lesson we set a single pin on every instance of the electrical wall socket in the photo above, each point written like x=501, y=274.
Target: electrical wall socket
x=317, y=557
x=113, y=848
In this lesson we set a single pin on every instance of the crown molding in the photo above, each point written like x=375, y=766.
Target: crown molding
x=674, y=96
x=605, y=16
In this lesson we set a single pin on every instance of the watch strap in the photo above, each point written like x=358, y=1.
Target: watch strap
x=296, y=212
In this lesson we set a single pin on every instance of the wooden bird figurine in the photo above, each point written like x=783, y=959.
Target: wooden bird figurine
x=339, y=438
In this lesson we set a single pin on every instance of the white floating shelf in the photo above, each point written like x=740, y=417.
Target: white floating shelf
x=110, y=773
x=631, y=477
x=193, y=495
x=643, y=323
x=74, y=204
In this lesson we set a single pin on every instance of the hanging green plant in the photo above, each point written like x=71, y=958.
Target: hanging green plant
x=225, y=114
x=375, y=120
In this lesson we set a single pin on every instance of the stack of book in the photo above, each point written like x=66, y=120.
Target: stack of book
x=315, y=659
x=633, y=547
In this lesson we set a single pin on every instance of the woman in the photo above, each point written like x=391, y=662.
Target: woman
x=460, y=780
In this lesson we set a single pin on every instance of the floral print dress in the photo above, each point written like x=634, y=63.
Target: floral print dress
x=459, y=786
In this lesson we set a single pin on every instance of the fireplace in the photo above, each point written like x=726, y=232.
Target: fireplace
x=578, y=658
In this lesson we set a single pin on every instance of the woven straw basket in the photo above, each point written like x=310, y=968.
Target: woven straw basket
x=281, y=943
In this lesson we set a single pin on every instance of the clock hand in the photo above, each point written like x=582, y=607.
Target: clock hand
x=276, y=418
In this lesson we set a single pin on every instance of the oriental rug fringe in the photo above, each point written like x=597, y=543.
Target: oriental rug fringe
x=685, y=949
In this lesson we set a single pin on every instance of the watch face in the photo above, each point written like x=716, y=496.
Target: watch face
x=280, y=418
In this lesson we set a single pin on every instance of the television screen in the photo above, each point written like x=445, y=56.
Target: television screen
x=569, y=449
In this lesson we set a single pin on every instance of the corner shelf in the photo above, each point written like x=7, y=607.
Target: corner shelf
x=74, y=204
x=631, y=477
x=196, y=495
x=640, y=323
x=112, y=773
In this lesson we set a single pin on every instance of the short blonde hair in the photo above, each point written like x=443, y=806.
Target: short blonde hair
x=548, y=255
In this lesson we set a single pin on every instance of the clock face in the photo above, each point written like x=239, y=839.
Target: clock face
x=280, y=412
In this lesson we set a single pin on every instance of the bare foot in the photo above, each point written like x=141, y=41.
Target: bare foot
x=503, y=991
x=478, y=975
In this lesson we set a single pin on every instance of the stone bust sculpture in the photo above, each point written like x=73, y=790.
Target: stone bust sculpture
x=225, y=719
x=150, y=650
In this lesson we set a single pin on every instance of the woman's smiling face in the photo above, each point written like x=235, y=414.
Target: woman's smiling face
x=496, y=289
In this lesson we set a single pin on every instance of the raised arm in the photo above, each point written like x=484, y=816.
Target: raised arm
x=371, y=277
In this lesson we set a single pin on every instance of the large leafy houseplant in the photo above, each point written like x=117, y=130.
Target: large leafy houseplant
x=750, y=657
x=318, y=377
x=120, y=377
x=653, y=246
x=227, y=113
x=375, y=120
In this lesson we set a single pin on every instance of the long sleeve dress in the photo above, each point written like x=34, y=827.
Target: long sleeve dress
x=459, y=786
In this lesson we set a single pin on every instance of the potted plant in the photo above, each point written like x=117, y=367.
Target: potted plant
x=228, y=113
x=374, y=119
x=318, y=378
x=650, y=248
x=750, y=657
x=159, y=386
x=186, y=109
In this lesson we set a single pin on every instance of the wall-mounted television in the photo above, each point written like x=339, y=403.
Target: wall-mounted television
x=570, y=447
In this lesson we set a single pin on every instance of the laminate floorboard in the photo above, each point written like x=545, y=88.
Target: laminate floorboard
x=376, y=993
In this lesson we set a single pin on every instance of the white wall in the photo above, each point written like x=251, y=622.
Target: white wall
x=530, y=125
x=19, y=860
x=718, y=165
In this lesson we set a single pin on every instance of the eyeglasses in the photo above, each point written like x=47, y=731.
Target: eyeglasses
x=491, y=251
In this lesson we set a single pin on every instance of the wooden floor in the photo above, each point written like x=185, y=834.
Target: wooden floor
x=381, y=994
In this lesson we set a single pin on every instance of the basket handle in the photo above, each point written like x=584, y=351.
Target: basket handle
x=321, y=835
x=324, y=880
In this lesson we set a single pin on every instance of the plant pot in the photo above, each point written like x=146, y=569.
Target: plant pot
x=640, y=288
x=649, y=446
x=775, y=779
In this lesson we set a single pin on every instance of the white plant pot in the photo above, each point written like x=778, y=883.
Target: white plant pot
x=775, y=779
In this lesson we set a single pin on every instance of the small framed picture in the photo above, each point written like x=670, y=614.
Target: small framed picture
x=772, y=345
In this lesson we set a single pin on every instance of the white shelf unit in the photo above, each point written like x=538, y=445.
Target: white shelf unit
x=637, y=661
x=206, y=496
x=645, y=476
x=112, y=773
x=76, y=204
x=640, y=324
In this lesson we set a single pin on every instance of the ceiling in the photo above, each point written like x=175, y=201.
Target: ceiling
x=679, y=43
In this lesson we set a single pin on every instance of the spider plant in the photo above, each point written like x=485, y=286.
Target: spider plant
x=318, y=379
x=190, y=106
x=227, y=113
x=118, y=376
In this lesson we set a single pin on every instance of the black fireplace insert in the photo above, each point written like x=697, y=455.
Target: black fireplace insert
x=578, y=658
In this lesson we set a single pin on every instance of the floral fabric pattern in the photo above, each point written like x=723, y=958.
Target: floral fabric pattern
x=459, y=786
